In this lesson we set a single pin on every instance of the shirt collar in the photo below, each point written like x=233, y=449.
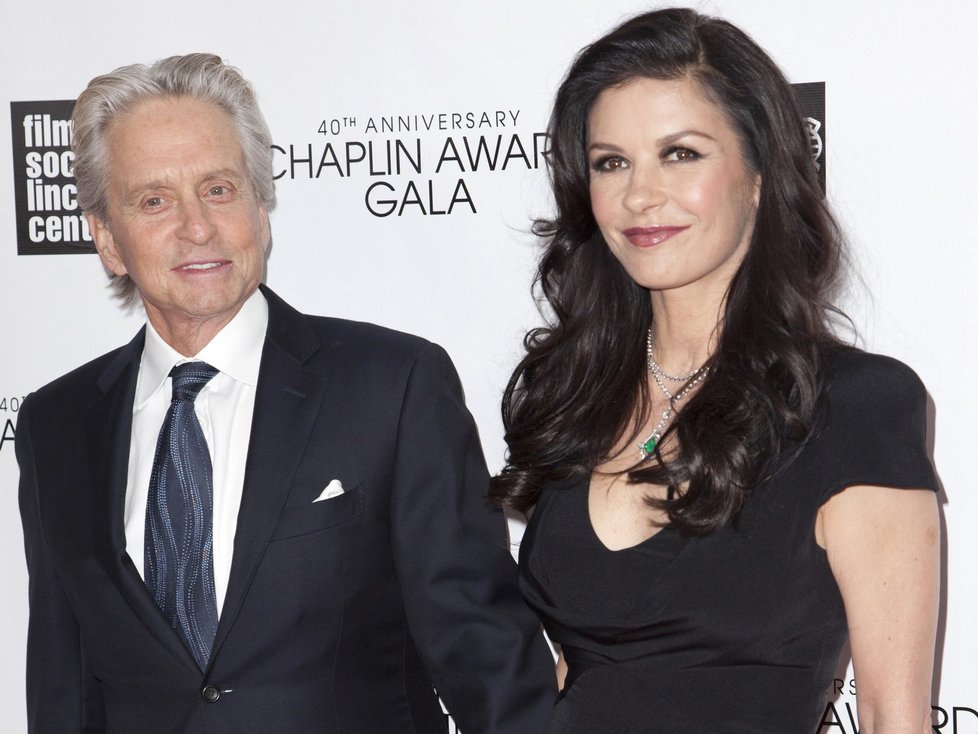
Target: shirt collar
x=235, y=351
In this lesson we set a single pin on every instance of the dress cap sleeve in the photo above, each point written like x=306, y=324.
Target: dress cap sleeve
x=875, y=425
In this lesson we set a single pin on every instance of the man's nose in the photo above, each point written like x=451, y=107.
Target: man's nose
x=196, y=223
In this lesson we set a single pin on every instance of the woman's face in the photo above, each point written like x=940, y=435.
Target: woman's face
x=670, y=188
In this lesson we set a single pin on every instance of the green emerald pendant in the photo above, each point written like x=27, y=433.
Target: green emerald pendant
x=649, y=446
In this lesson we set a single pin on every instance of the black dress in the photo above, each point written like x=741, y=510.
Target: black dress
x=738, y=631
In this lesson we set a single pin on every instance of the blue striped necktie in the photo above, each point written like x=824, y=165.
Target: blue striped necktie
x=179, y=558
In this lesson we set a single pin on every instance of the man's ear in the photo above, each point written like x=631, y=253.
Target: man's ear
x=105, y=245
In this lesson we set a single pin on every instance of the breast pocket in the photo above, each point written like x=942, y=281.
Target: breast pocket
x=316, y=516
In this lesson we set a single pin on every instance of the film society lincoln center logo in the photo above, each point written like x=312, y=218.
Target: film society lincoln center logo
x=49, y=221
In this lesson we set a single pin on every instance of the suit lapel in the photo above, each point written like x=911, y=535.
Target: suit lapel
x=287, y=403
x=109, y=428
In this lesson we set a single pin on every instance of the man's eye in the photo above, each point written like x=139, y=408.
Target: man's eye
x=218, y=190
x=153, y=201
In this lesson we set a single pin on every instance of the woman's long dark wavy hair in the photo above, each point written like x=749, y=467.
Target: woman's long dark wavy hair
x=583, y=385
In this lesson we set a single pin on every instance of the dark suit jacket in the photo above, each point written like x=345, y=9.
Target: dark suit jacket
x=341, y=615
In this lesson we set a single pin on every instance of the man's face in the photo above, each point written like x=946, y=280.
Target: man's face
x=184, y=220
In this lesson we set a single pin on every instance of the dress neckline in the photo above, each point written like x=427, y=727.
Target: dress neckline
x=585, y=493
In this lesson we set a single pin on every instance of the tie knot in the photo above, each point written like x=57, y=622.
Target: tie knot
x=189, y=379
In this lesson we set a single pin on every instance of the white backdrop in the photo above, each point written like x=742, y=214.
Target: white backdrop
x=901, y=105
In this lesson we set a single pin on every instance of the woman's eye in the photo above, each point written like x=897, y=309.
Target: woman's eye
x=608, y=163
x=217, y=190
x=680, y=154
x=153, y=202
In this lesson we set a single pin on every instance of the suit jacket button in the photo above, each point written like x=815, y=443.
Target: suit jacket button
x=211, y=694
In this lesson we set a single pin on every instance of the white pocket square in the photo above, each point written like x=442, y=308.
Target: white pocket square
x=333, y=489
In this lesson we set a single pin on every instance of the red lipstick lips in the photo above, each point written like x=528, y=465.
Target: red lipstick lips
x=651, y=236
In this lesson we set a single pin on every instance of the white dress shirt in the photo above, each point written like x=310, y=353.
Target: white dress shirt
x=224, y=408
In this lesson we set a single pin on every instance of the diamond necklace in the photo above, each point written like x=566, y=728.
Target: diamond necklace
x=695, y=377
x=657, y=371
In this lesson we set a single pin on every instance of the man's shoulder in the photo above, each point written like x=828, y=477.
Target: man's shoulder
x=337, y=336
x=82, y=380
x=364, y=335
x=374, y=351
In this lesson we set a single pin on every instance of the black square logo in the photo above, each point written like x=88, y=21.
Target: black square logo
x=49, y=221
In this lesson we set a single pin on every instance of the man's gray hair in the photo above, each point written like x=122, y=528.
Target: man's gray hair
x=198, y=76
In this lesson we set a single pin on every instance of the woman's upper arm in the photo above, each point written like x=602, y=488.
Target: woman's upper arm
x=883, y=545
